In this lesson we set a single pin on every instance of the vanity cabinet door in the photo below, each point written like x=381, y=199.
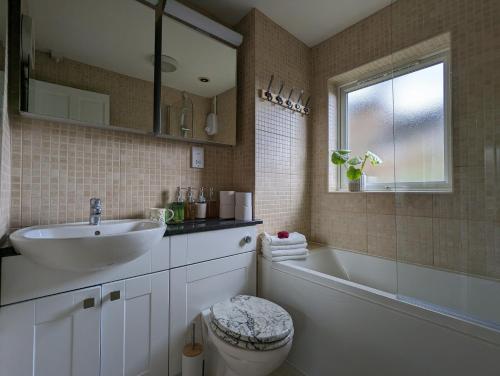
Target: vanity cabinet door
x=56, y=335
x=196, y=287
x=135, y=326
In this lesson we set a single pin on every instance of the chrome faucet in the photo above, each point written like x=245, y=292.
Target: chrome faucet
x=95, y=211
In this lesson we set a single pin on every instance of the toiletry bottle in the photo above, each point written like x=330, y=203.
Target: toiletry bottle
x=189, y=208
x=212, y=204
x=178, y=207
x=201, y=205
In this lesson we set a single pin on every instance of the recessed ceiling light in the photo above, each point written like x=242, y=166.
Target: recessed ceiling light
x=204, y=79
x=168, y=63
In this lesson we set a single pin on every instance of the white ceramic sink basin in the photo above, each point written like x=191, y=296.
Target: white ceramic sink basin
x=84, y=247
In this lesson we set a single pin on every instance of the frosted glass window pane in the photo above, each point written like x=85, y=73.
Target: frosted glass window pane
x=419, y=131
x=403, y=121
x=369, y=127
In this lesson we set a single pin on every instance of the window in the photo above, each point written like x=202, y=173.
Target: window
x=402, y=116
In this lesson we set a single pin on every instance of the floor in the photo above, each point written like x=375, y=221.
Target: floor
x=286, y=370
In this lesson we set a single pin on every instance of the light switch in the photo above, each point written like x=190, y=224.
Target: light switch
x=197, y=157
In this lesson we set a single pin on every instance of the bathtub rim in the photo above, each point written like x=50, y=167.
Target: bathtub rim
x=387, y=300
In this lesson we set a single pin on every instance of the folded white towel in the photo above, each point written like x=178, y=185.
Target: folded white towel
x=293, y=238
x=266, y=245
x=285, y=258
x=285, y=252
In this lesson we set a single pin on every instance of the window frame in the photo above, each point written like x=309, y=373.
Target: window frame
x=386, y=75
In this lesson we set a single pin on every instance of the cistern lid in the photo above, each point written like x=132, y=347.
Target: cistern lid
x=252, y=319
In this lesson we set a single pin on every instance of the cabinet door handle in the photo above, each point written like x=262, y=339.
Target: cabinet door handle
x=88, y=303
x=114, y=295
x=247, y=239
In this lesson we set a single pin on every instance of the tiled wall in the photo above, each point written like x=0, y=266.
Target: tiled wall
x=244, y=151
x=4, y=154
x=271, y=158
x=282, y=137
x=458, y=231
x=56, y=168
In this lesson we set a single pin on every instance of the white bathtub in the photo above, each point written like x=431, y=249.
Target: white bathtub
x=349, y=319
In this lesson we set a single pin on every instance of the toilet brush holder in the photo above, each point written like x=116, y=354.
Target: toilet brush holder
x=192, y=357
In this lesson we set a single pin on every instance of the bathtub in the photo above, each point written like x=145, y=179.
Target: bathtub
x=356, y=314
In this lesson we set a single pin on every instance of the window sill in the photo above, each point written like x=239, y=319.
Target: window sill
x=394, y=191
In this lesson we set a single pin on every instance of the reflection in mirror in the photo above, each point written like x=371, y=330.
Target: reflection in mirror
x=92, y=61
x=198, y=85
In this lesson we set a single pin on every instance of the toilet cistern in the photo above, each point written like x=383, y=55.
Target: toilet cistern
x=95, y=211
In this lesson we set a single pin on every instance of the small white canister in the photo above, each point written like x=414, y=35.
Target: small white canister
x=192, y=360
x=226, y=201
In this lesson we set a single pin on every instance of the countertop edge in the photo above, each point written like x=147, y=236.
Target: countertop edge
x=172, y=230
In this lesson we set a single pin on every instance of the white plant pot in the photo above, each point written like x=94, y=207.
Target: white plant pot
x=358, y=185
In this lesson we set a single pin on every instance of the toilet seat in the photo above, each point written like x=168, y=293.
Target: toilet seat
x=266, y=346
x=251, y=323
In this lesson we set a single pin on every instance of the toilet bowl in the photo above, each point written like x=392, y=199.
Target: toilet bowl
x=248, y=336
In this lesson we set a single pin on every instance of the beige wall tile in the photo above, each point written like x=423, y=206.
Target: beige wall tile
x=431, y=229
x=59, y=167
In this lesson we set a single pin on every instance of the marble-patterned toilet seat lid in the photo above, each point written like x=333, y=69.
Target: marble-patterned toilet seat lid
x=251, y=319
x=265, y=346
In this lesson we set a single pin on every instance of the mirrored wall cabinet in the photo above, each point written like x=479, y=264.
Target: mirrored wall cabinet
x=158, y=68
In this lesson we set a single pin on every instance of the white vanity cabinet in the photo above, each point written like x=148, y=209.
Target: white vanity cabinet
x=119, y=329
x=135, y=323
x=56, y=335
x=229, y=271
x=133, y=320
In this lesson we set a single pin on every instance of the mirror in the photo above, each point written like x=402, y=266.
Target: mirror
x=198, y=85
x=89, y=62
x=92, y=63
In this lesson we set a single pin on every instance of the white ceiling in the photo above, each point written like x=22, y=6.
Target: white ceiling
x=311, y=21
x=118, y=35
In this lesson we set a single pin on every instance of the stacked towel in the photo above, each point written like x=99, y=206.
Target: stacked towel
x=292, y=248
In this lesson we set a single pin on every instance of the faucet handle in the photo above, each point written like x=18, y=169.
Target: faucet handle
x=94, y=201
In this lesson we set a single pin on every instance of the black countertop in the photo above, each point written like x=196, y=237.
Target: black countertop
x=187, y=227
x=208, y=225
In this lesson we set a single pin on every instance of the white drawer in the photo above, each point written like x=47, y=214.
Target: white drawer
x=202, y=246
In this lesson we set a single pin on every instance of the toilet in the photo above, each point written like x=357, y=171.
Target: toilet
x=246, y=336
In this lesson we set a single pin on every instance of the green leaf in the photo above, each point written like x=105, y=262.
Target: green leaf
x=339, y=158
x=354, y=161
x=373, y=158
x=353, y=173
x=343, y=151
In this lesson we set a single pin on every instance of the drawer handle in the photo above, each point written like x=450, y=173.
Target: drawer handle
x=88, y=303
x=114, y=295
x=247, y=239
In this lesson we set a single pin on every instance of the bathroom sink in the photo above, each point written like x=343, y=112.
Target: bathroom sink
x=83, y=247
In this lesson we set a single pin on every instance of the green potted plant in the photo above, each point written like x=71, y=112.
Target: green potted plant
x=354, y=167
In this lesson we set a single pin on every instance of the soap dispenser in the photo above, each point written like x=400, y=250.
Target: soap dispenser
x=189, y=208
x=178, y=207
x=201, y=205
x=212, y=204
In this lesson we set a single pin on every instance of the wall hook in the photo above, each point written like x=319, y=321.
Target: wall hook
x=306, y=106
x=299, y=99
x=289, y=103
x=279, y=99
x=268, y=93
x=297, y=106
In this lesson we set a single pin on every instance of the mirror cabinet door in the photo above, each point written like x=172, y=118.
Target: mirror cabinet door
x=198, y=85
x=89, y=62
